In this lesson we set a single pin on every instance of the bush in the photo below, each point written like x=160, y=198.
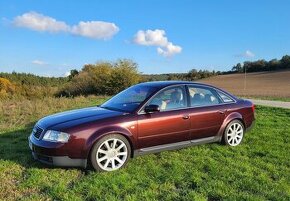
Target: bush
x=102, y=78
x=6, y=88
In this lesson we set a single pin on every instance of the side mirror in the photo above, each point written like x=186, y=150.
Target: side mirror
x=151, y=108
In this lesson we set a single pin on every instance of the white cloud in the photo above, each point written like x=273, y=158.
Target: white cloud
x=66, y=74
x=95, y=29
x=65, y=64
x=157, y=38
x=90, y=29
x=38, y=62
x=39, y=22
x=169, y=50
x=246, y=54
x=149, y=37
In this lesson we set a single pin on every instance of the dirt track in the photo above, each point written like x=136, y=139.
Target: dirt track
x=280, y=104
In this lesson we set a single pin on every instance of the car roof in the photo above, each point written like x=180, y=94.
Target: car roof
x=162, y=84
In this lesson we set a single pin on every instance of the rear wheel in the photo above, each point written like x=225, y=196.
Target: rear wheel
x=110, y=153
x=234, y=133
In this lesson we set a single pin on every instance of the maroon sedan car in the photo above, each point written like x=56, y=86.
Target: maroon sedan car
x=146, y=118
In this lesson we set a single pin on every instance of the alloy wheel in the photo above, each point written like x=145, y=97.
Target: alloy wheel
x=235, y=134
x=112, y=154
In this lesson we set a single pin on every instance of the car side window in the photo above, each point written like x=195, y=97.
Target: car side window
x=225, y=98
x=202, y=96
x=170, y=99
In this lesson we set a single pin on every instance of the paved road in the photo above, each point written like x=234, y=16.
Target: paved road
x=280, y=104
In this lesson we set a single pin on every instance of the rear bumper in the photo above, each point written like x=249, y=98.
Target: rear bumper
x=53, y=154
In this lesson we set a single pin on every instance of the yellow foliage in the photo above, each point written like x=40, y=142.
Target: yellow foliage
x=6, y=87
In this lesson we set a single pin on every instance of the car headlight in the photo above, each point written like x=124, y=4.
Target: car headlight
x=56, y=136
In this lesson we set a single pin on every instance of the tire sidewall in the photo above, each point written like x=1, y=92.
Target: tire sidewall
x=95, y=148
x=225, y=139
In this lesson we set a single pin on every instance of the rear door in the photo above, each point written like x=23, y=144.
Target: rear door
x=171, y=124
x=206, y=112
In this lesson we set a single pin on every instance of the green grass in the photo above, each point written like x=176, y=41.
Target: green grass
x=259, y=169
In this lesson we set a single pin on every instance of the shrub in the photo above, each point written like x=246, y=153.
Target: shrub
x=102, y=78
x=6, y=88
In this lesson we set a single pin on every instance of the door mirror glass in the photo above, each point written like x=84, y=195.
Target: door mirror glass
x=151, y=108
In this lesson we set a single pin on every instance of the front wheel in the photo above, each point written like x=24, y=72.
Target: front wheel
x=234, y=133
x=110, y=153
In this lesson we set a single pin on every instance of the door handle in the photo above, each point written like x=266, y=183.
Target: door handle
x=185, y=117
x=222, y=111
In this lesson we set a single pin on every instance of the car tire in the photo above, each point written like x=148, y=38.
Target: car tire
x=110, y=153
x=234, y=133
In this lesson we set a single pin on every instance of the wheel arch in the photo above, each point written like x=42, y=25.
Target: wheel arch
x=94, y=138
x=231, y=117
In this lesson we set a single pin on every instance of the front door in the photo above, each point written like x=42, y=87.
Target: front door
x=170, y=125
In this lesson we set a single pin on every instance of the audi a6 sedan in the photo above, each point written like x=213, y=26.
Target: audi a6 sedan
x=146, y=118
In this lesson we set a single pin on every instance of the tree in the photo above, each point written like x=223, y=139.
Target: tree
x=73, y=73
x=263, y=65
x=193, y=75
x=103, y=78
x=285, y=62
x=173, y=77
x=273, y=64
x=238, y=68
x=124, y=74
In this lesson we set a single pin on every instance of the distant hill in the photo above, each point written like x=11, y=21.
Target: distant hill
x=263, y=84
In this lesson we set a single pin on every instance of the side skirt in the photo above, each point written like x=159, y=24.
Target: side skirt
x=174, y=146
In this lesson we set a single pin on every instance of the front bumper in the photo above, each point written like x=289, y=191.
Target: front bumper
x=46, y=155
x=61, y=161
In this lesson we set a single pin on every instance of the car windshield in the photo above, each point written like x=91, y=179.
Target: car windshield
x=129, y=99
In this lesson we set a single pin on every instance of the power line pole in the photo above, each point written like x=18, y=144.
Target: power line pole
x=245, y=79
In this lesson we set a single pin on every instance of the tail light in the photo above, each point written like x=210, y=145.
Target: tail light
x=253, y=108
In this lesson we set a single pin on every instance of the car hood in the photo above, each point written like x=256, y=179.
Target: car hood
x=79, y=115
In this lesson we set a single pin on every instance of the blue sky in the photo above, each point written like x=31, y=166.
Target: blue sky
x=51, y=37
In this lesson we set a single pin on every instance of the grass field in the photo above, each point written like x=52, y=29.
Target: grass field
x=259, y=169
x=273, y=85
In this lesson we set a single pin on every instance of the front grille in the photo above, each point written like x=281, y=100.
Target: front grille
x=37, y=131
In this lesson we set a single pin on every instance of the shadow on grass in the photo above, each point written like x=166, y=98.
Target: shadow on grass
x=14, y=147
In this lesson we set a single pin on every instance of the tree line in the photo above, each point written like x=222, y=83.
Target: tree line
x=191, y=75
x=108, y=78
x=263, y=65
x=29, y=85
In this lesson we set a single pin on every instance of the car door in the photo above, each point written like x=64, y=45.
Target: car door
x=170, y=124
x=206, y=112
